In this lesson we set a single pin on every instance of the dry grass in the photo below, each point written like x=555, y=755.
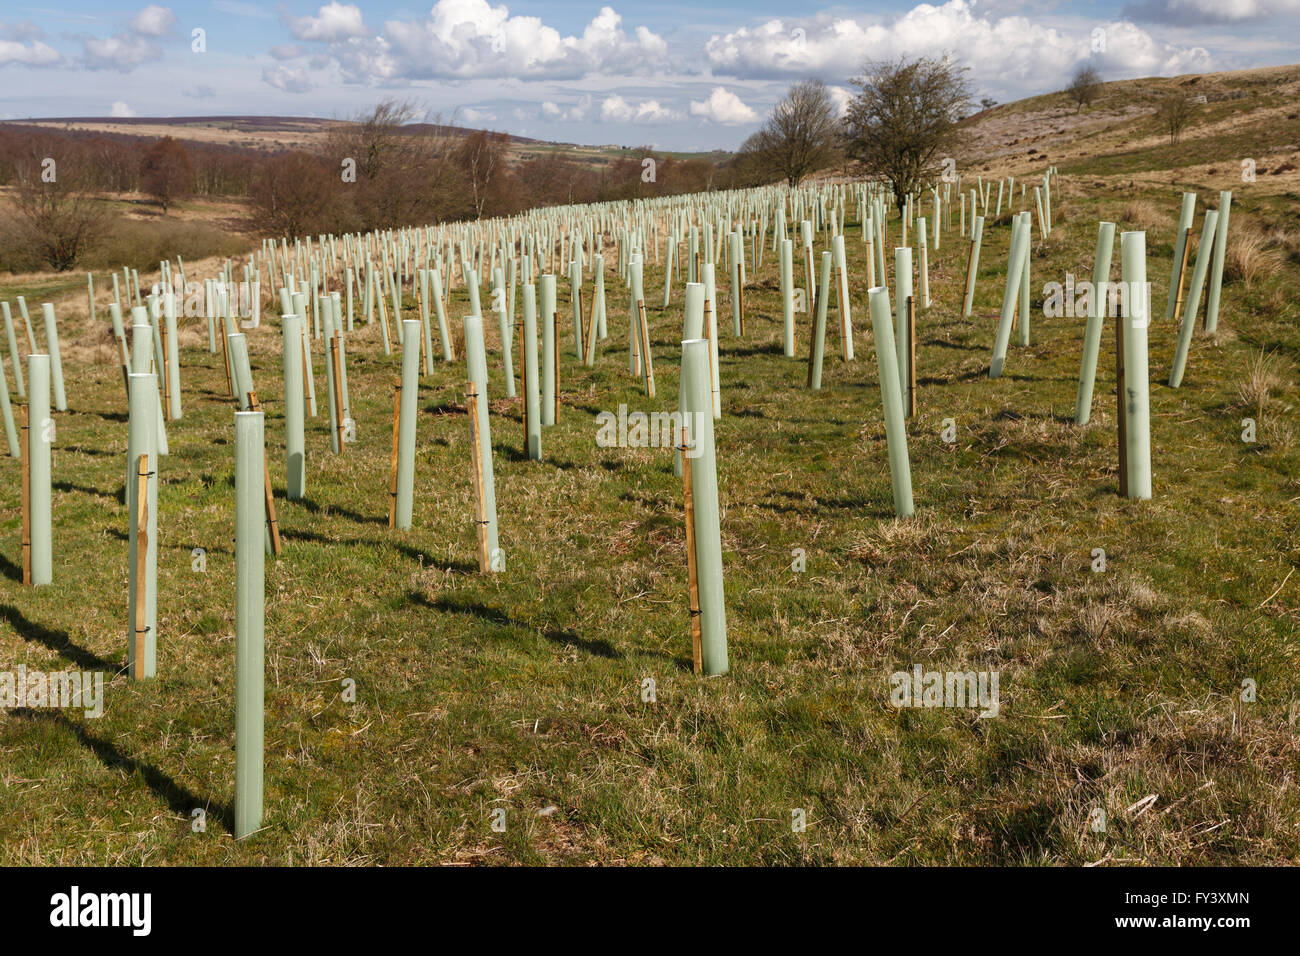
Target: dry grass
x=1250, y=255
x=1263, y=376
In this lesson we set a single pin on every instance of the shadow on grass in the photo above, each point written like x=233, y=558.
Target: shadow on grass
x=57, y=641
x=180, y=799
x=597, y=648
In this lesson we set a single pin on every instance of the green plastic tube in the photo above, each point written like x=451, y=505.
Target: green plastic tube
x=56, y=361
x=40, y=435
x=250, y=608
x=546, y=289
x=14, y=359
x=787, y=296
x=1137, y=399
x=704, y=488
x=1096, y=318
x=977, y=231
x=1216, y=270
x=476, y=360
x=902, y=289
x=240, y=369
x=295, y=453
x=11, y=432
x=817, y=353
x=1185, y=219
x=1009, y=297
x=406, y=426
x=532, y=398
x=142, y=439
x=891, y=394
x=1203, y=256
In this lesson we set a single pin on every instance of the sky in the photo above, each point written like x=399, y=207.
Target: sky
x=671, y=74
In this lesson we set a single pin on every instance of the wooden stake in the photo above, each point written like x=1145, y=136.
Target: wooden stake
x=646, y=366
x=26, y=466
x=271, y=522
x=591, y=330
x=480, y=506
x=167, y=374
x=1182, y=274
x=225, y=354
x=141, y=561
x=392, y=465
x=970, y=264
x=692, y=577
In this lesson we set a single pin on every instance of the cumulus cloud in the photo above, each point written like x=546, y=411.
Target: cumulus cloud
x=1011, y=54
x=287, y=79
x=724, y=107
x=478, y=117
x=615, y=109
x=286, y=51
x=119, y=110
x=153, y=21
x=1184, y=12
x=333, y=22
x=122, y=52
x=28, y=54
x=841, y=97
x=467, y=39
x=573, y=113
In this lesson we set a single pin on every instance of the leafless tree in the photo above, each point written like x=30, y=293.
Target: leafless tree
x=1173, y=114
x=903, y=119
x=1085, y=86
x=799, y=136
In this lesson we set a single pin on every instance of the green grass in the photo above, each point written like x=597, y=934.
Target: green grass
x=523, y=690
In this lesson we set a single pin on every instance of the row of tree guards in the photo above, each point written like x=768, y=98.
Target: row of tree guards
x=328, y=285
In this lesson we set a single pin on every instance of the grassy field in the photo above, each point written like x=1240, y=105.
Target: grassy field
x=523, y=691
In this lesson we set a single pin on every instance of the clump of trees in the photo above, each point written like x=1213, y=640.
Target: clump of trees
x=55, y=219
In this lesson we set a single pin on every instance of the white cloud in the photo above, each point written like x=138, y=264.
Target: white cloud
x=477, y=117
x=153, y=21
x=119, y=110
x=724, y=107
x=615, y=109
x=333, y=22
x=122, y=52
x=841, y=97
x=1011, y=55
x=1184, y=12
x=286, y=51
x=287, y=79
x=28, y=54
x=200, y=92
x=466, y=39
x=550, y=110
x=575, y=113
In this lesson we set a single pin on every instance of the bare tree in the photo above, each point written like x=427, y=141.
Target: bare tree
x=1173, y=114
x=482, y=156
x=903, y=119
x=799, y=136
x=1085, y=86
x=54, y=217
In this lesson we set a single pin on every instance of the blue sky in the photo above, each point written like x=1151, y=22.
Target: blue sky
x=671, y=74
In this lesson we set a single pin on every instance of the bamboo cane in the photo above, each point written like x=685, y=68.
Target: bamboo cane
x=647, y=366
